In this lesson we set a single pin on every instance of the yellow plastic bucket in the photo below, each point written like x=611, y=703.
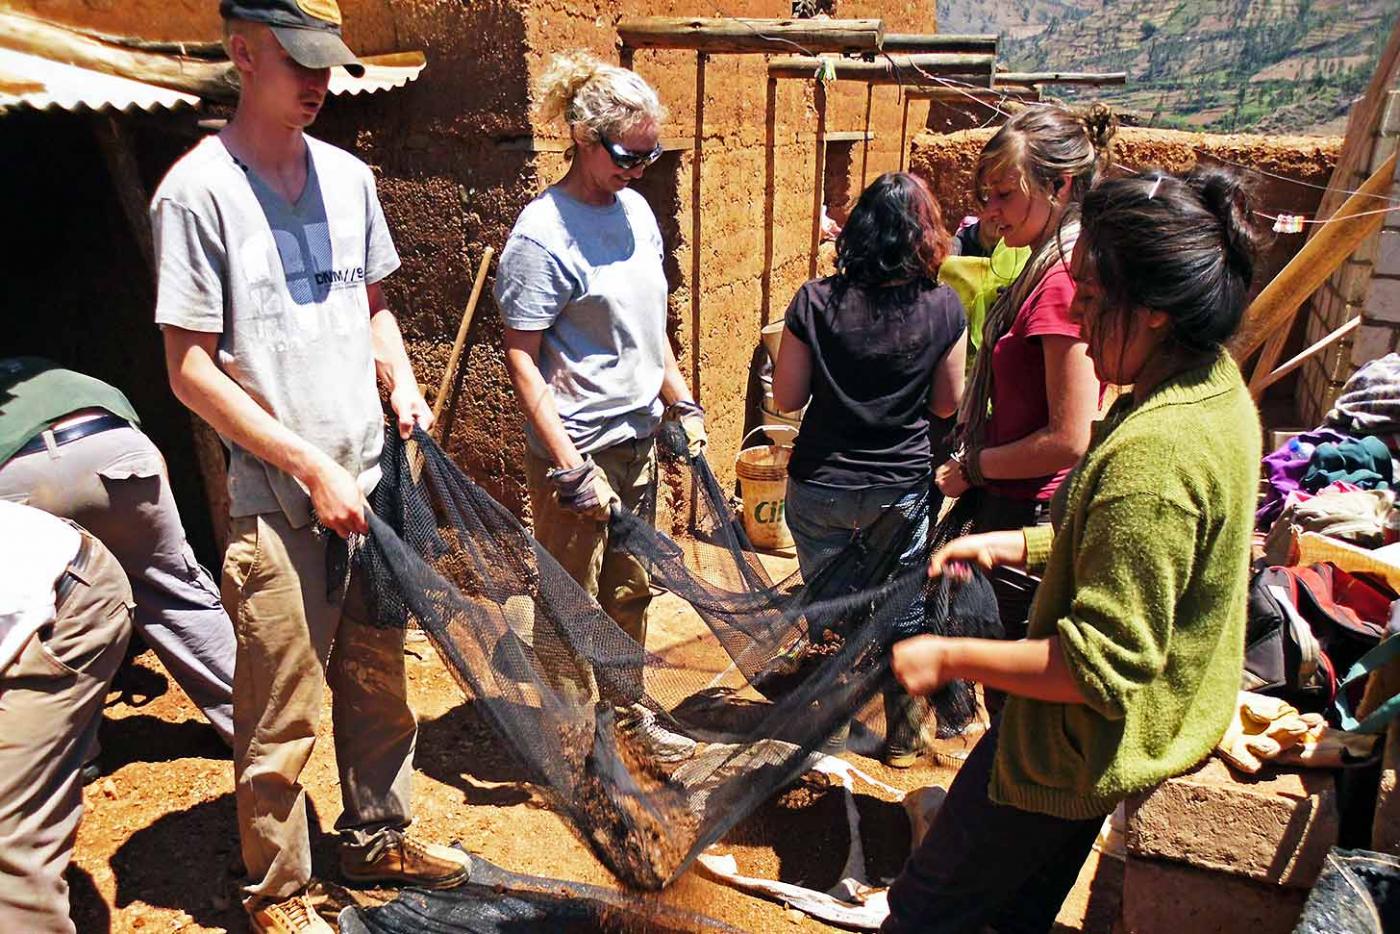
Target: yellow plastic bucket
x=762, y=473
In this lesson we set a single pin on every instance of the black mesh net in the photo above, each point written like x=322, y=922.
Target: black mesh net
x=786, y=664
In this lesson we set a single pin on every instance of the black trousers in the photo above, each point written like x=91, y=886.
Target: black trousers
x=984, y=864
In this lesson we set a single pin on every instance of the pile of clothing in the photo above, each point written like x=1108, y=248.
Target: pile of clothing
x=1339, y=478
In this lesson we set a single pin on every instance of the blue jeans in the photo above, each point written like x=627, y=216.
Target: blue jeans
x=824, y=519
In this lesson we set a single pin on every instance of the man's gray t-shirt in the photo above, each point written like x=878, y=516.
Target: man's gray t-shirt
x=283, y=285
x=591, y=279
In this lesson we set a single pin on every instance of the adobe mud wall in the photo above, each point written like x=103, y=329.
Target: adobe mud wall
x=455, y=164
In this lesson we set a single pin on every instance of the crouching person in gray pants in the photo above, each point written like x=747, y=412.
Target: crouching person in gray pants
x=70, y=445
x=65, y=617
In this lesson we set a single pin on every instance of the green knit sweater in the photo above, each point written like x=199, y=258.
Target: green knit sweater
x=1145, y=580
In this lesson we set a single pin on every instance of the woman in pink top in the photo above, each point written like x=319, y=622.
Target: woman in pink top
x=1025, y=418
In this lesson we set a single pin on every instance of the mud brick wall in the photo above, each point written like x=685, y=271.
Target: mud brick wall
x=457, y=154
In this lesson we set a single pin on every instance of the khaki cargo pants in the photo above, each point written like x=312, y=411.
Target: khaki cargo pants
x=50, y=706
x=292, y=640
x=580, y=544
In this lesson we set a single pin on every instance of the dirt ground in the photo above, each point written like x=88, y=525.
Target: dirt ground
x=157, y=849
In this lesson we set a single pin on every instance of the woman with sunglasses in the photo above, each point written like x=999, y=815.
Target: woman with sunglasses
x=583, y=295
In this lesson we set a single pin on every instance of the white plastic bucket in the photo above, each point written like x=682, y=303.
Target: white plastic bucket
x=762, y=473
x=772, y=335
x=771, y=414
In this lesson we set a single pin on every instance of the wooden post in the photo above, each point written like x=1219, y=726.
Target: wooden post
x=1325, y=250
x=770, y=118
x=1061, y=77
x=819, y=185
x=742, y=34
x=913, y=43
x=893, y=69
x=903, y=131
x=865, y=143
x=131, y=195
x=696, y=246
x=951, y=94
x=625, y=56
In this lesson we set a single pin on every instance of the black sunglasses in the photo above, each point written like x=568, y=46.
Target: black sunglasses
x=625, y=158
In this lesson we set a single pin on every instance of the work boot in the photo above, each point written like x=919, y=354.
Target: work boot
x=640, y=724
x=289, y=916
x=394, y=859
x=904, y=719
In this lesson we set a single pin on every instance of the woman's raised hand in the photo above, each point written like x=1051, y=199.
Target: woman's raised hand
x=987, y=550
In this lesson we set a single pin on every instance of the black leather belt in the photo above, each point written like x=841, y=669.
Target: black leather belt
x=68, y=580
x=81, y=430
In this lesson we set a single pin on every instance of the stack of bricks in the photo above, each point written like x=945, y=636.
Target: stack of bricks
x=1216, y=851
x=1367, y=284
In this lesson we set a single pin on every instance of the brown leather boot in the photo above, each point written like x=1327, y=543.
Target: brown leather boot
x=394, y=859
x=289, y=916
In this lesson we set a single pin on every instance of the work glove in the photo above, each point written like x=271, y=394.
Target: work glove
x=1261, y=729
x=692, y=420
x=1327, y=747
x=584, y=489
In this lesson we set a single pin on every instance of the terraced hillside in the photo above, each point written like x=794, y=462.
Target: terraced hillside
x=1248, y=65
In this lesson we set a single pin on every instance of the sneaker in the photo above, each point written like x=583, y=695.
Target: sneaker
x=397, y=860
x=641, y=725
x=290, y=916
x=901, y=758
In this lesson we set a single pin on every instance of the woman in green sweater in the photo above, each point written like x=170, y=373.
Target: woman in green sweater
x=1132, y=663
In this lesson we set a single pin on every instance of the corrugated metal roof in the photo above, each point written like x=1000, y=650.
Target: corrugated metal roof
x=382, y=73
x=42, y=84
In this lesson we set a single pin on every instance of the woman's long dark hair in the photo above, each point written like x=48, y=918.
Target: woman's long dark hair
x=1181, y=244
x=895, y=233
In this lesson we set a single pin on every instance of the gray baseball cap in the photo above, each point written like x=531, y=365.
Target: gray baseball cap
x=308, y=29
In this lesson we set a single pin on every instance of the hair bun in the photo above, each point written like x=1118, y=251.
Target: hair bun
x=1225, y=193
x=566, y=75
x=1101, y=123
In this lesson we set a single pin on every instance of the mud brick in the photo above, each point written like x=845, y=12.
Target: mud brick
x=1162, y=897
x=1275, y=827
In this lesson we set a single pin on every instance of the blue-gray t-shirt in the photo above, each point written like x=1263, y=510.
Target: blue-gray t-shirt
x=591, y=279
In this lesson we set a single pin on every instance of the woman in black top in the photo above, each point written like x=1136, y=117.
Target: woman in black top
x=878, y=349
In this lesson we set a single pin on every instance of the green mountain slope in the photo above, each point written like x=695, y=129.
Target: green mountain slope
x=1249, y=65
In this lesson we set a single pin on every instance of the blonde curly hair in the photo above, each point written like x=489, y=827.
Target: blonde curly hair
x=598, y=97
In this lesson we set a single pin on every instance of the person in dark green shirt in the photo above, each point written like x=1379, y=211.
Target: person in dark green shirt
x=72, y=446
x=1132, y=663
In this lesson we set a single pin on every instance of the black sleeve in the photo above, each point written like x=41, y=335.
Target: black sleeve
x=798, y=318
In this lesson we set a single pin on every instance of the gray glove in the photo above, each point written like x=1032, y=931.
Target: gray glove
x=584, y=489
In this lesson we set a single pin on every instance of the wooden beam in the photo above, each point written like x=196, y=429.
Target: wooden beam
x=696, y=247
x=1257, y=386
x=1311, y=266
x=819, y=184
x=1060, y=77
x=747, y=35
x=200, y=76
x=847, y=136
x=912, y=42
x=893, y=69
x=941, y=92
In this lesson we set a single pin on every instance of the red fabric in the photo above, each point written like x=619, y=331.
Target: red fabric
x=1019, y=404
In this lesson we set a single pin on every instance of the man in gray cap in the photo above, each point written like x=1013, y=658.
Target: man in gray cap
x=271, y=249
